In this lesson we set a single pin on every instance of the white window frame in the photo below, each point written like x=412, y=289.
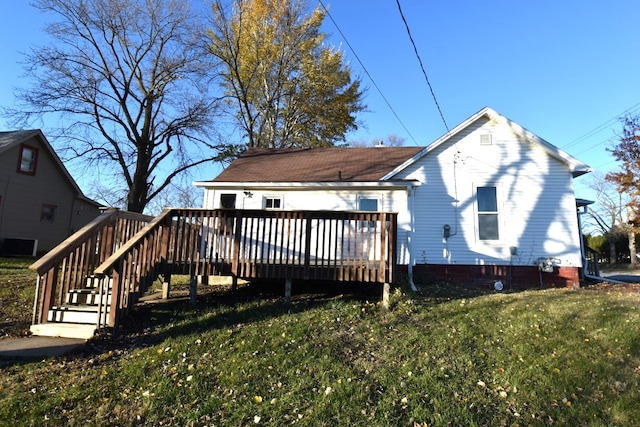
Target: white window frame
x=271, y=199
x=365, y=225
x=28, y=163
x=494, y=213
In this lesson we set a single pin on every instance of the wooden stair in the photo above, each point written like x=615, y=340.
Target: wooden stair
x=78, y=316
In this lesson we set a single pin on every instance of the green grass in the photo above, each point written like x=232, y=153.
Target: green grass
x=17, y=291
x=448, y=356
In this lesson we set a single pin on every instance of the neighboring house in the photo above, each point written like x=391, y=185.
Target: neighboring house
x=488, y=203
x=40, y=203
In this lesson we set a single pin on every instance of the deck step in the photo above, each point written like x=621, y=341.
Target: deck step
x=64, y=330
x=85, y=314
x=87, y=296
x=93, y=282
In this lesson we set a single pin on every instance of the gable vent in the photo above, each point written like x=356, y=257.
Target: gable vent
x=485, y=139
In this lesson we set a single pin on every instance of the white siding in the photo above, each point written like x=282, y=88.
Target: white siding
x=536, y=202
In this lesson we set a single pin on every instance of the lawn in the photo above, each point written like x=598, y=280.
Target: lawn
x=17, y=291
x=448, y=355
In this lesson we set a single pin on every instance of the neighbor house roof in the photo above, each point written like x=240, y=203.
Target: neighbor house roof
x=316, y=165
x=10, y=139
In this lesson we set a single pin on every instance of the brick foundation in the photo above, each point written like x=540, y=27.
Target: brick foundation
x=517, y=277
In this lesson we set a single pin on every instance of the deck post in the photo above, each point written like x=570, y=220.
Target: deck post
x=193, y=290
x=385, y=295
x=287, y=290
x=166, y=286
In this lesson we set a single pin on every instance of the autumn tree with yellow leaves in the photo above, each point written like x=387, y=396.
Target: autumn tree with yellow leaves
x=284, y=86
x=627, y=179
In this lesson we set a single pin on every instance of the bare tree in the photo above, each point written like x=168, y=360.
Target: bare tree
x=391, y=141
x=609, y=215
x=129, y=82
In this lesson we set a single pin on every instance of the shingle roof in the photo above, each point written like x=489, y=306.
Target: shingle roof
x=10, y=138
x=316, y=164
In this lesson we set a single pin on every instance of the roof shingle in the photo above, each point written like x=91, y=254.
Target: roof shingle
x=316, y=164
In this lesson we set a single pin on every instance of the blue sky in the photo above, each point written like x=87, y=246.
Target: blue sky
x=565, y=70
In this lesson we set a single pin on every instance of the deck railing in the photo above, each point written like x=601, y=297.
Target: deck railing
x=250, y=244
x=593, y=262
x=71, y=263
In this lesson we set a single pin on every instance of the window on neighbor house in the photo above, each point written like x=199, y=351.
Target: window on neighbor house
x=273, y=202
x=368, y=204
x=487, y=200
x=48, y=213
x=28, y=160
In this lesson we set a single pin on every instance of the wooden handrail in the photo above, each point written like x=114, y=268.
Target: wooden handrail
x=53, y=257
x=69, y=265
x=124, y=249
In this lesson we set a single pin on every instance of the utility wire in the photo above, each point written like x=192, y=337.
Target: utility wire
x=421, y=65
x=367, y=73
x=599, y=128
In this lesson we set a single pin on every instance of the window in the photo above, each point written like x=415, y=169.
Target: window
x=367, y=204
x=28, y=160
x=48, y=213
x=228, y=201
x=273, y=202
x=487, y=200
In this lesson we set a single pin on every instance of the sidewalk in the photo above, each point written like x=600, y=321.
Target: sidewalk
x=38, y=347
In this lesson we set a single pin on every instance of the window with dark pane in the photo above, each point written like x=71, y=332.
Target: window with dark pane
x=487, y=201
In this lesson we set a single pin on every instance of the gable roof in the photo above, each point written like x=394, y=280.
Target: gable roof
x=9, y=139
x=316, y=164
x=576, y=167
x=370, y=164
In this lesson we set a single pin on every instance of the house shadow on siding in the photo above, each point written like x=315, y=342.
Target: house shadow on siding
x=536, y=219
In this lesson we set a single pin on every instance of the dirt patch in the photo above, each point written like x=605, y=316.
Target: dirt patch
x=614, y=287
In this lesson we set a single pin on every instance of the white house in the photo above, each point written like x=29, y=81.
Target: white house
x=487, y=203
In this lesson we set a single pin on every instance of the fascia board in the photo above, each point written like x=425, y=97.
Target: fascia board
x=307, y=185
x=576, y=167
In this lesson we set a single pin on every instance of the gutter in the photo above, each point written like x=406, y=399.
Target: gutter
x=305, y=185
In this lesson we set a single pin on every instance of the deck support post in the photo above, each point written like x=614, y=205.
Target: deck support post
x=385, y=295
x=166, y=286
x=193, y=290
x=287, y=290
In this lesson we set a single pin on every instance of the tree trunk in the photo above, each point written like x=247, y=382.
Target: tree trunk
x=137, y=197
x=613, y=256
x=632, y=248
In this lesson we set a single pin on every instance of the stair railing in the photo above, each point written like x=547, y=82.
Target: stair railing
x=69, y=264
x=133, y=268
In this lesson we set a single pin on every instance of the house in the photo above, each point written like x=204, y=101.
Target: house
x=489, y=203
x=40, y=203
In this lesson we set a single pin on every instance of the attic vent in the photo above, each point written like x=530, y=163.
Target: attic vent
x=485, y=139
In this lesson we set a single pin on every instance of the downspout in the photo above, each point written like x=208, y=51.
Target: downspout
x=411, y=193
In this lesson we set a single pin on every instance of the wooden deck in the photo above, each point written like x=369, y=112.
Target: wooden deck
x=121, y=257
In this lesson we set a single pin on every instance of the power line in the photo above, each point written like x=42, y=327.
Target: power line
x=406, y=25
x=597, y=129
x=367, y=73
